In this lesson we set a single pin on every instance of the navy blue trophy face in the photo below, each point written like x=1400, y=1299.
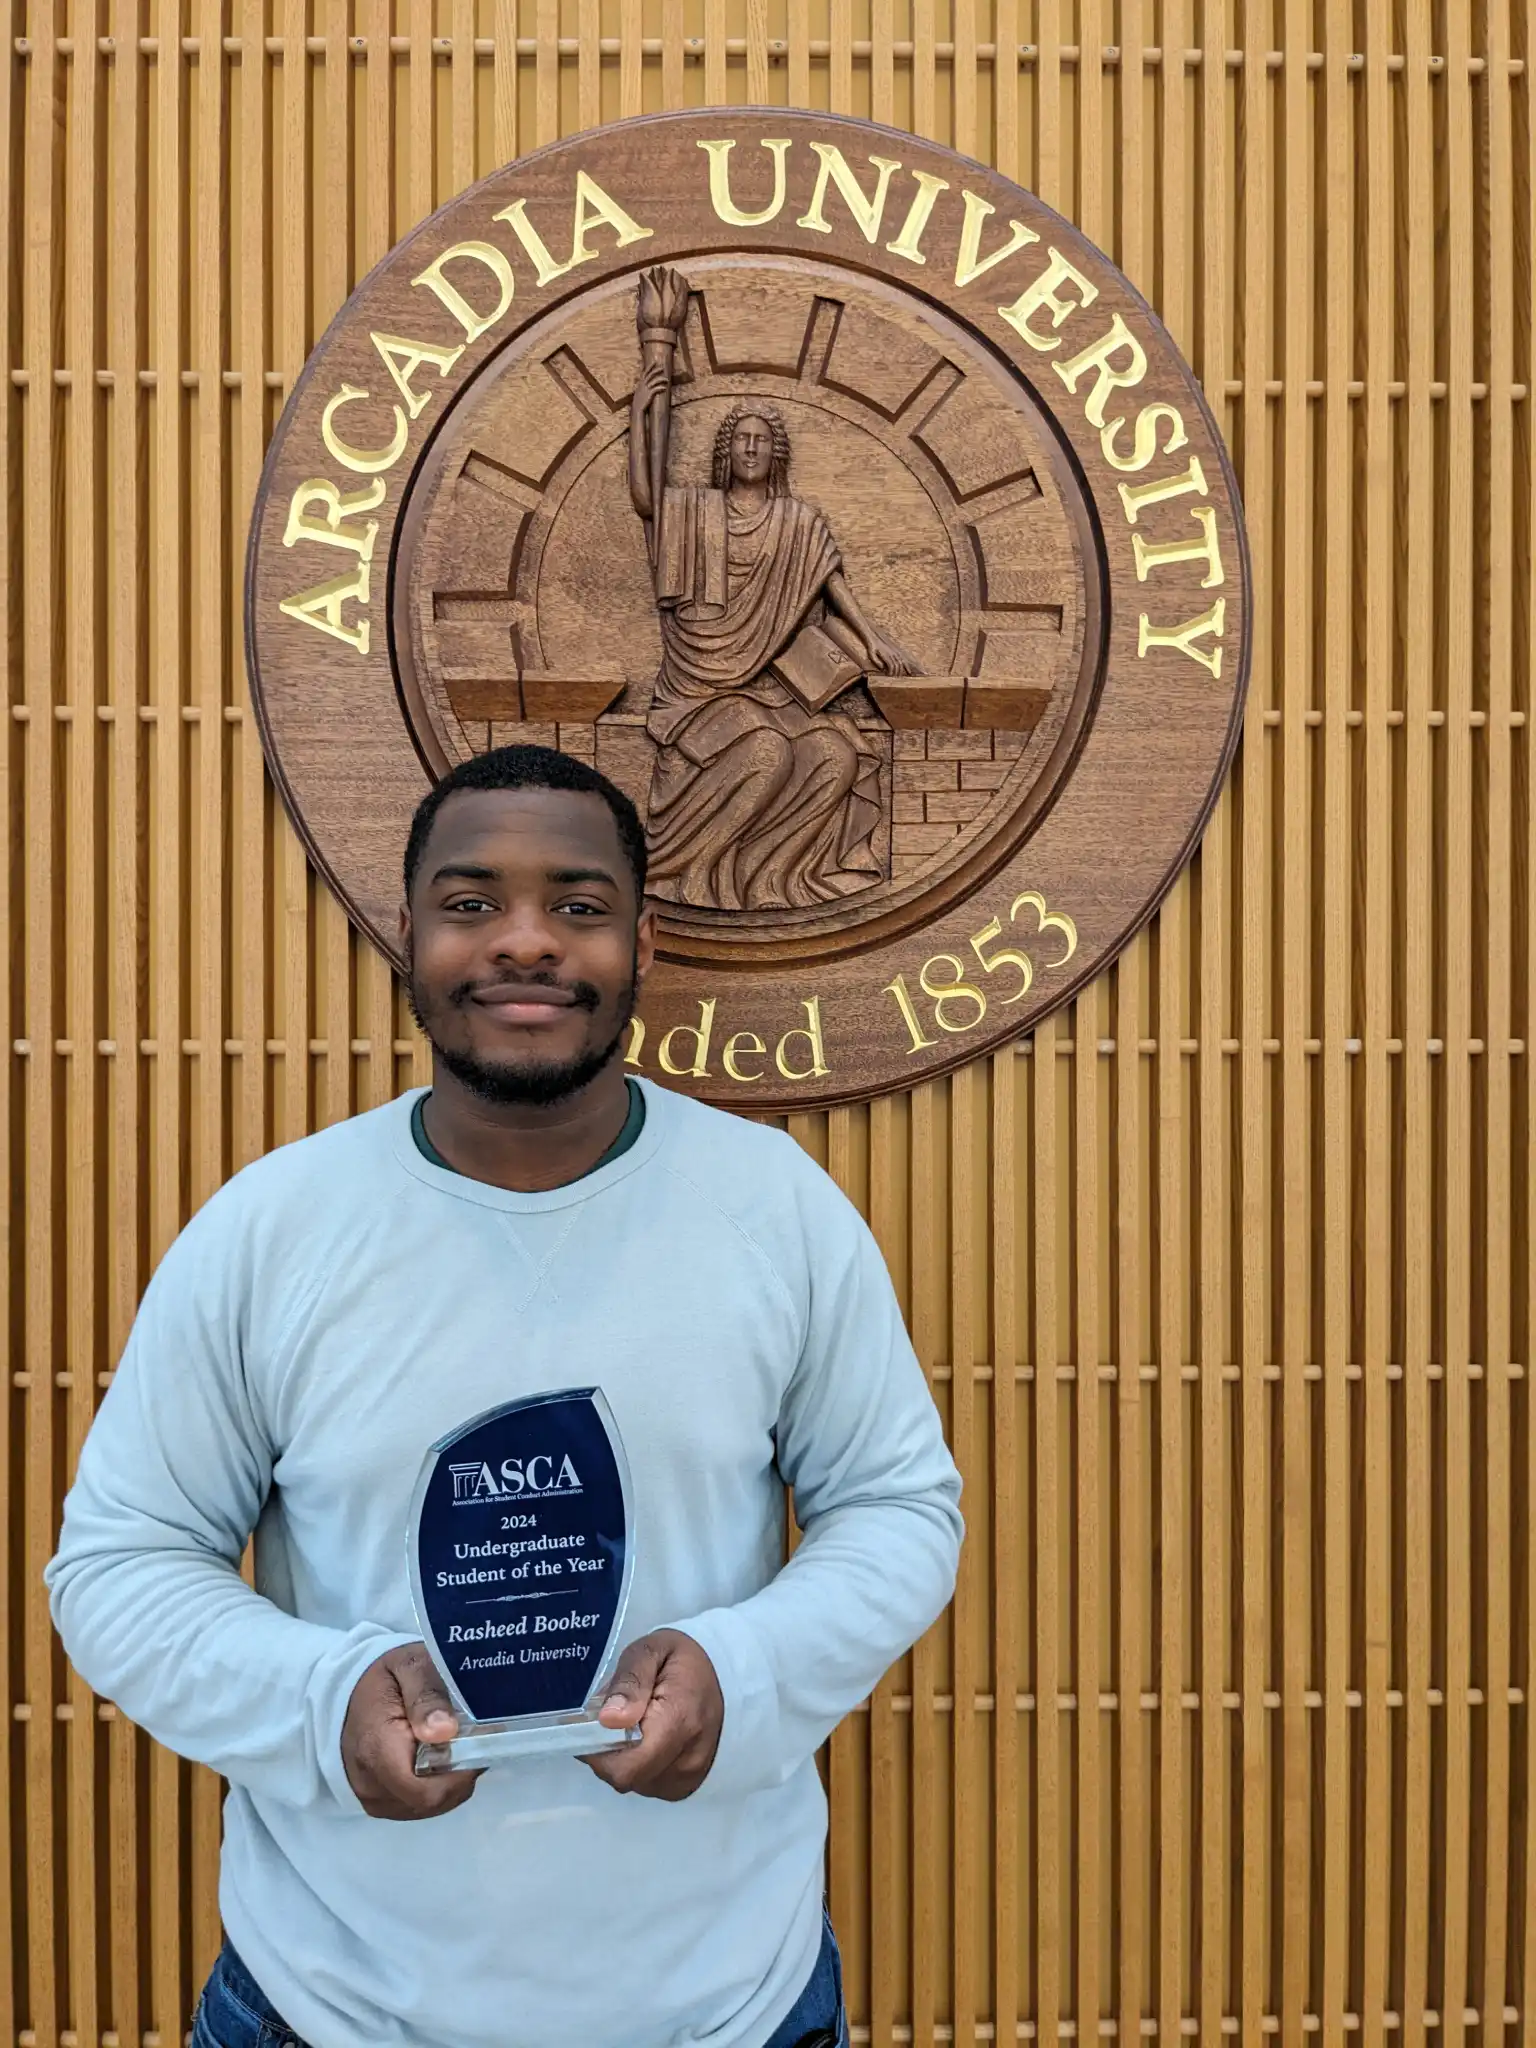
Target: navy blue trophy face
x=520, y=1566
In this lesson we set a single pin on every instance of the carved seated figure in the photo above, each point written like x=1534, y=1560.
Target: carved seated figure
x=761, y=796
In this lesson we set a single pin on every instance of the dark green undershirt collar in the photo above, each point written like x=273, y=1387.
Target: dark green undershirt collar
x=634, y=1124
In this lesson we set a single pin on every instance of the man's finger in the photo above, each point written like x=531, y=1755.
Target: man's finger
x=424, y=1696
x=629, y=1692
x=663, y=1737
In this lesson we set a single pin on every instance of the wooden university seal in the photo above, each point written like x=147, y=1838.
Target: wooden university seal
x=840, y=502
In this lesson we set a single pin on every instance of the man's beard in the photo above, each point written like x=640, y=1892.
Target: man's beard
x=527, y=1084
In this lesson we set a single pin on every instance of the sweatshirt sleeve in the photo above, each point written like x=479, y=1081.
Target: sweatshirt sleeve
x=145, y=1587
x=877, y=1497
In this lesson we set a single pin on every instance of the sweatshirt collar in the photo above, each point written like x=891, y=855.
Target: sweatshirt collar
x=659, y=1110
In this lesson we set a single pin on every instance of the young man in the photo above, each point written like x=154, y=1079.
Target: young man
x=535, y=1221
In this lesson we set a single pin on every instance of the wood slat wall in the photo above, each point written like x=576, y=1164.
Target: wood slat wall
x=1223, y=1281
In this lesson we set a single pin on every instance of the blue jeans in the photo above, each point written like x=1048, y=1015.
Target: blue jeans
x=233, y=2011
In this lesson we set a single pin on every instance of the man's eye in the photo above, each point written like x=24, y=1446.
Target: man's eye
x=582, y=909
x=468, y=903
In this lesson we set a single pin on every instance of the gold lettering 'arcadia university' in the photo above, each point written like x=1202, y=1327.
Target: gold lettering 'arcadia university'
x=474, y=283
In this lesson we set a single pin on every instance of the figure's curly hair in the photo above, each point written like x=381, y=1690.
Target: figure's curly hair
x=778, y=474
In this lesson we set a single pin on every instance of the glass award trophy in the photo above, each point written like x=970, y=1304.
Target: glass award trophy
x=520, y=1564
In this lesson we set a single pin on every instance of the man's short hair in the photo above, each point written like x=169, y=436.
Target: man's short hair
x=526, y=767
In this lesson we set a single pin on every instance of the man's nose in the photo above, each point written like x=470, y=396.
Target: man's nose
x=527, y=938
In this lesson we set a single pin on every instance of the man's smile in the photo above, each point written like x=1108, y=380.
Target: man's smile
x=513, y=1002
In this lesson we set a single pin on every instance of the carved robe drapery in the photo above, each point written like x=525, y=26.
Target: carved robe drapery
x=756, y=803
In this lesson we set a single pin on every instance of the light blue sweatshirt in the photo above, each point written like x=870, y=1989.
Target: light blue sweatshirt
x=336, y=1308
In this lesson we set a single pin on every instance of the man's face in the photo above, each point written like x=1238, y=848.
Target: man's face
x=522, y=941
x=751, y=450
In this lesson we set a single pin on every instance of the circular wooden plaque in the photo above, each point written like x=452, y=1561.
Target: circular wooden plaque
x=835, y=497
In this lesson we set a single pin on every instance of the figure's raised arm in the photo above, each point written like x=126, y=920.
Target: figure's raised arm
x=654, y=378
x=661, y=307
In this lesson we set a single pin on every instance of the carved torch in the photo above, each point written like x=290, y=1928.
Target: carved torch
x=659, y=315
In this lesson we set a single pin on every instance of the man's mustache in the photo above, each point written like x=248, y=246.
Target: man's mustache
x=582, y=993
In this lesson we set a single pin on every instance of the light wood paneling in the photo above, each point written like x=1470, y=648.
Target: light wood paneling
x=1223, y=1280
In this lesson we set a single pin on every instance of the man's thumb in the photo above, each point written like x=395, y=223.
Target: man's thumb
x=630, y=1688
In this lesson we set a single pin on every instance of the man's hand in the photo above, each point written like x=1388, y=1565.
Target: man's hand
x=665, y=1686
x=398, y=1702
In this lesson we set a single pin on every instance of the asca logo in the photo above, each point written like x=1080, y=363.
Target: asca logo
x=518, y=1476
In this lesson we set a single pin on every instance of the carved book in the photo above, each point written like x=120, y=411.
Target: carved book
x=816, y=668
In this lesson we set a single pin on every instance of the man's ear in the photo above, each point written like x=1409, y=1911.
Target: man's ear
x=645, y=941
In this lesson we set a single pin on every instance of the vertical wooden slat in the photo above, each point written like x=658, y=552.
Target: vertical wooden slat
x=1045, y=1833
x=887, y=1202
x=882, y=67
x=375, y=986
x=13, y=197
x=1006, y=1544
x=672, y=32
x=292, y=334
x=714, y=53
x=124, y=1208
x=1220, y=1910
x=589, y=63
x=1176, y=1833
x=421, y=95
x=966, y=1113
x=1177, y=1788
x=1089, y=1519
x=81, y=815
x=1005, y=87
x=966, y=95
x=1047, y=104
x=1334, y=762
x=1523, y=978
x=839, y=56
x=250, y=337
x=1133, y=1909
x=335, y=127
x=333, y=207
x=1495, y=859
x=757, y=51
x=164, y=687
x=1257, y=293
x=1133, y=1565
x=924, y=69
x=1456, y=552
x=39, y=969
x=1292, y=909
x=1419, y=1168
x=1376, y=943
x=1044, y=1356
x=1087, y=1509
x=504, y=78
x=206, y=731
x=844, y=1747
x=927, y=1874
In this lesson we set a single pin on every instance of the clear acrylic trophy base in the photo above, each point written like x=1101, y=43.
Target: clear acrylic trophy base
x=494, y=1742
